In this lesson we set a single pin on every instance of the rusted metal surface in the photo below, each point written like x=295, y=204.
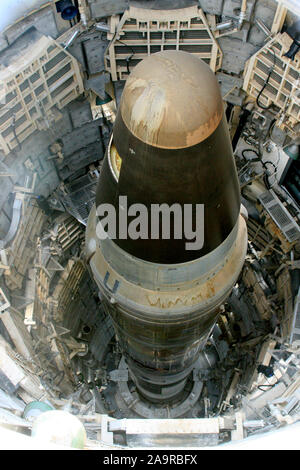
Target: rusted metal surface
x=171, y=100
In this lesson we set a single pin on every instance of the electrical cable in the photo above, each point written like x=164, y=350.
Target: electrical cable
x=128, y=45
x=275, y=165
x=271, y=128
x=261, y=387
x=260, y=105
x=257, y=153
x=270, y=163
x=128, y=59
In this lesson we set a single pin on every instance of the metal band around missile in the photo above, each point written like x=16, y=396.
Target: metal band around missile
x=153, y=275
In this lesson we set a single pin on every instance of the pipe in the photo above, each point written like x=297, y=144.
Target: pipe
x=102, y=27
x=222, y=26
x=82, y=12
x=242, y=15
x=263, y=27
x=71, y=39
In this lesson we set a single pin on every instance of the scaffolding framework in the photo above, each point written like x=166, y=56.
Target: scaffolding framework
x=36, y=82
x=141, y=32
x=282, y=88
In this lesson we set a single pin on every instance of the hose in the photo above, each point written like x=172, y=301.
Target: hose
x=260, y=105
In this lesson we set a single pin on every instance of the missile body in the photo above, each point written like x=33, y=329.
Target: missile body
x=170, y=145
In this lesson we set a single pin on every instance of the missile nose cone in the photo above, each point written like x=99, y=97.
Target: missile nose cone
x=171, y=100
x=171, y=145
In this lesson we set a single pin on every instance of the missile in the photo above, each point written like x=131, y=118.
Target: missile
x=166, y=239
